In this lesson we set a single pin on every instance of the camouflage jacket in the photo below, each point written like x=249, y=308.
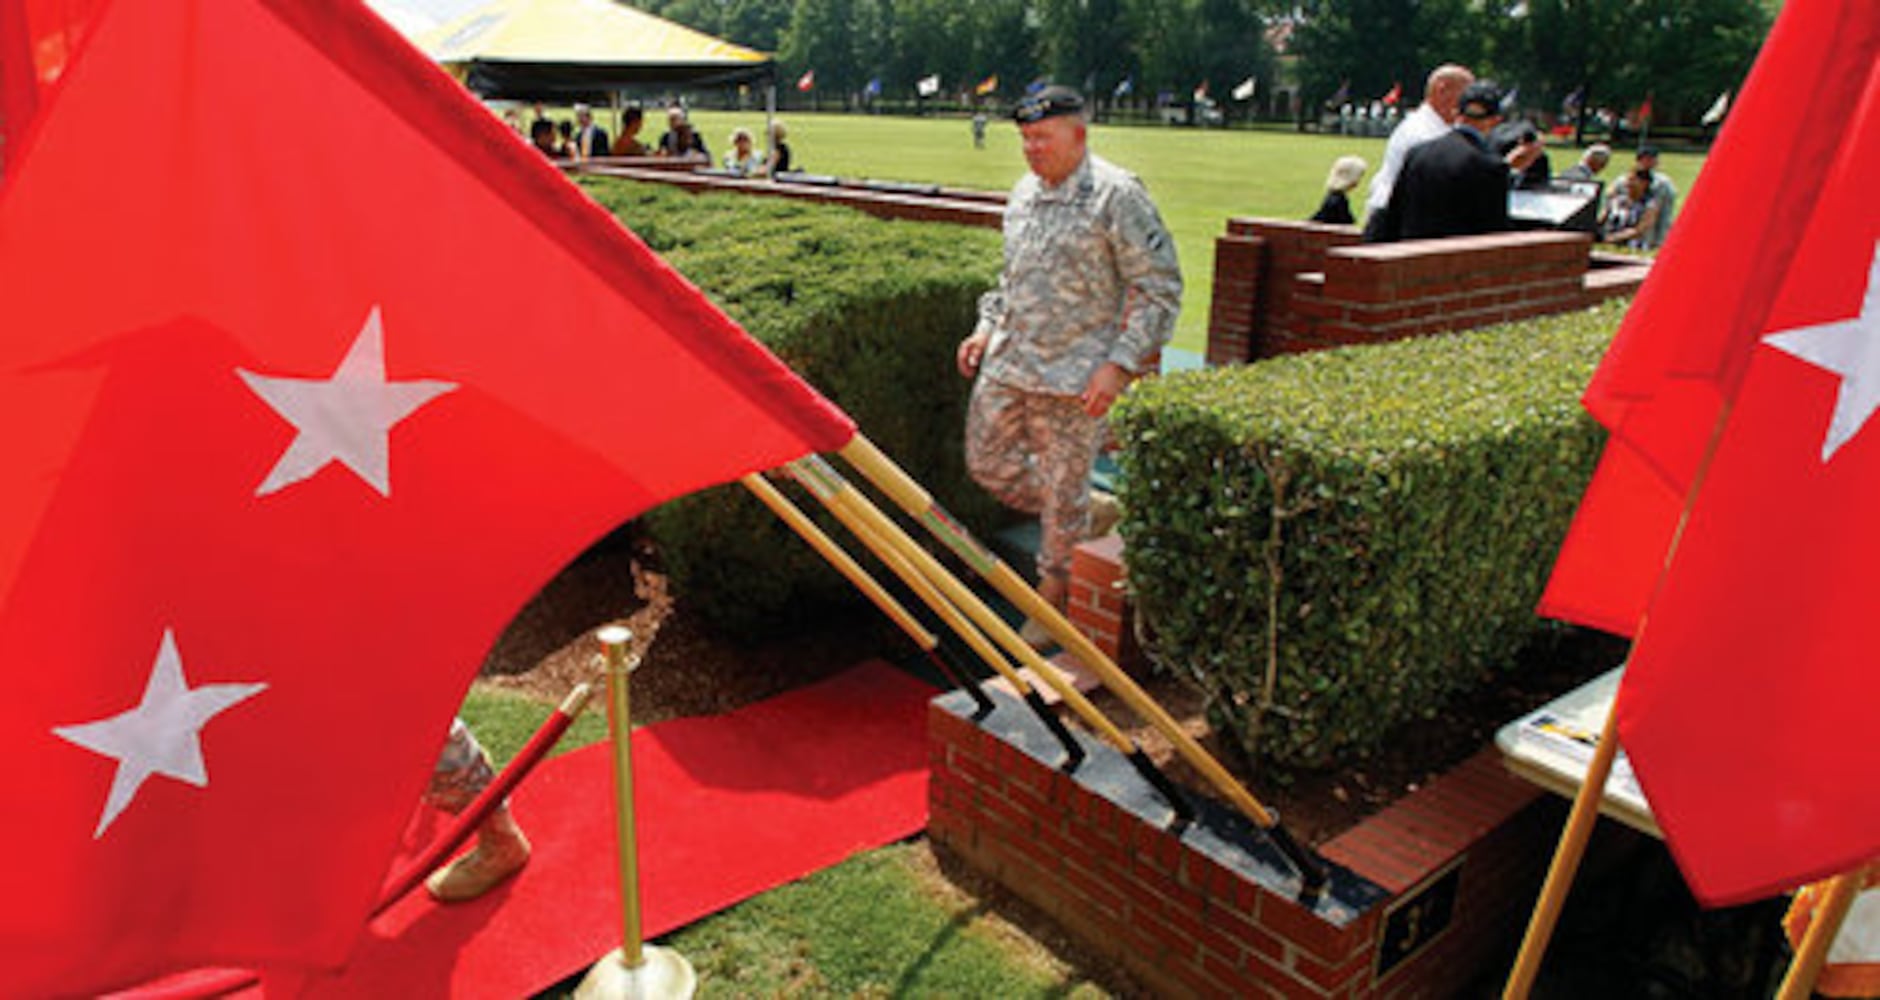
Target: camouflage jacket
x=1090, y=276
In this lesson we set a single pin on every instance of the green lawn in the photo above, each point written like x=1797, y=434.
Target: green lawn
x=1199, y=178
x=879, y=924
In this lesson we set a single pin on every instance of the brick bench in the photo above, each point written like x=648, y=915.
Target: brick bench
x=1423, y=898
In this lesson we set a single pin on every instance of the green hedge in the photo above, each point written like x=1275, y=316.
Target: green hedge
x=869, y=312
x=1372, y=525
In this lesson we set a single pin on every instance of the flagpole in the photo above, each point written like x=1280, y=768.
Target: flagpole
x=1579, y=828
x=917, y=502
x=882, y=541
x=1805, y=968
x=845, y=564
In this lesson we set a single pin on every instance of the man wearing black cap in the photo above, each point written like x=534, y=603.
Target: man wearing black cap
x=1455, y=185
x=1088, y=297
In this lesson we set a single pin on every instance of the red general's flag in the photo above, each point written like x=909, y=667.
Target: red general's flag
x=807, y=81
x=303, y=402
x=1394, y=94
x=1747, y=700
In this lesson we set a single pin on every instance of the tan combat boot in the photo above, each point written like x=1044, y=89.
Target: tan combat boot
x=501, y=851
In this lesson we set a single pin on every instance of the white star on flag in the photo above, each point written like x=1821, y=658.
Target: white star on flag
x=347, y=418
x=162, y=735
x=1849, y=348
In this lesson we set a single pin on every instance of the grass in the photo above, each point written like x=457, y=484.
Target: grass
x=1198, y=177
x=880, y=924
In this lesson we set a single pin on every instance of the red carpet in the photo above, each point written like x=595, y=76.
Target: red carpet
x=729, y=806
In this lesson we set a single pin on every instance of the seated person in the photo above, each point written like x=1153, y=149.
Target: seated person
x=1591, y=163
x=1663, y=192
x=742, y=160
x=1336, y=208
x=629, y=143
x=681, y=140
x=777, y=161
x=1631, y=216
x=543, y=136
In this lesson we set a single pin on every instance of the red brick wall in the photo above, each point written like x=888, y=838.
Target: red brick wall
x=980, y=209
x=1282, y=287
x=1237, y=262
x=1198, y=913
x=1099, y=602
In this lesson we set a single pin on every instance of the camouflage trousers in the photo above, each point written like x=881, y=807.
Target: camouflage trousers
x=1034, y=452
x=463, y=771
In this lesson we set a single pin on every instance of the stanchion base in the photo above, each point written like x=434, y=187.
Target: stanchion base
x=663, y=974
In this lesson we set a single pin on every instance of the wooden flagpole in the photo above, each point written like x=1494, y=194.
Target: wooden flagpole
x=1805, y=968
x=1579, y=828
x=833, y=553
x=918, y=503
x=957, y=606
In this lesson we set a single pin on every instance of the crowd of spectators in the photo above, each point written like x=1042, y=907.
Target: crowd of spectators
x=1453, y=164
x=583, y=138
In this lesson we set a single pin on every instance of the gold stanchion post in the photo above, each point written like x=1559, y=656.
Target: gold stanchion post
x=635, y=969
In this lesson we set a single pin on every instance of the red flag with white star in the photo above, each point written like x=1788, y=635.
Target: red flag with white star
x=304, y=400
x=1756, y=340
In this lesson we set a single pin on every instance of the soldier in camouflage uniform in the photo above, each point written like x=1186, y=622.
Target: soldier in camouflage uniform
x=463, y=771
x=1088, y=296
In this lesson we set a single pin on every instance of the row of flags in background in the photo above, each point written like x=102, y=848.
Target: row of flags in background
x=1642, y=112
x=928, y=86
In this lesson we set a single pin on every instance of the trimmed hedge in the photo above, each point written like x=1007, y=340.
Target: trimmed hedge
x=1331, y=544
x=866, y=310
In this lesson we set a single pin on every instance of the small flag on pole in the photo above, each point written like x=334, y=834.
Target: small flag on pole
x=928, y=85
x=987, y=86
x=874, y=88
x=1124, y=86
x=1201, y=92
x=1394, y=94
x=1717, y=109
x=807, y=81
x=1244, y=92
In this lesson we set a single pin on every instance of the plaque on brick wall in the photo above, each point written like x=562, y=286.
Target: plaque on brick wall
x=1417, y=919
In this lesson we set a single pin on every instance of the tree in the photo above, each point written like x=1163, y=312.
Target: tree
x=1083, y=41
x=1681, y=53
x=822, y=37
x=1376, y=43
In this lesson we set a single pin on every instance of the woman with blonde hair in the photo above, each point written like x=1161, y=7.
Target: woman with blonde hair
x=1345, y=174
x=777, y=161
x=742, y=159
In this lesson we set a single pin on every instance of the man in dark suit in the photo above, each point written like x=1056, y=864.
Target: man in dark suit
x=590, y=140
x=1455, y=185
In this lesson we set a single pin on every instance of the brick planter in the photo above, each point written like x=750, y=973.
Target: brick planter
x=1423, y=897
x=1281, y=287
